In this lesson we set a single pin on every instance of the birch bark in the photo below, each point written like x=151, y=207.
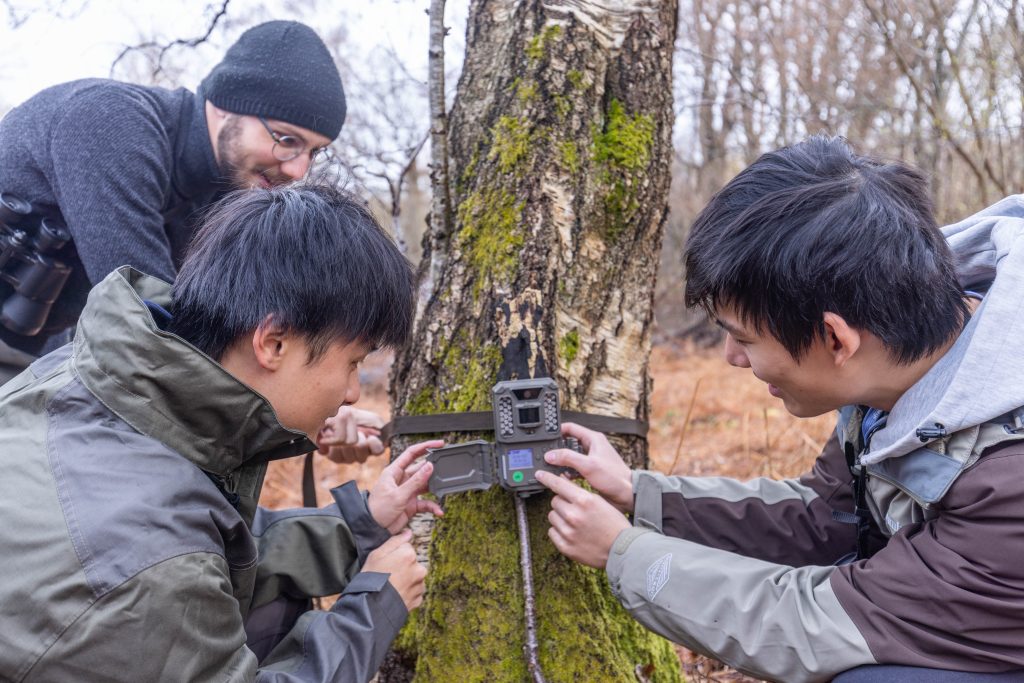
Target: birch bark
x=559, y=149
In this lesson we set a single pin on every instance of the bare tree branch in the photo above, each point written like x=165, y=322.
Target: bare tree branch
x=164, y=48
x=16, y=17
x=395, y=190
x=937, y=115
x=441, y=210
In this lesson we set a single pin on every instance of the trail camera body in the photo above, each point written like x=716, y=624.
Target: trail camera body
x=527, y=424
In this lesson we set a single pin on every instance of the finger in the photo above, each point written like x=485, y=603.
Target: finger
x=561, y=506
x=561, y=545
x=583, y=435
x=423, y=505
x=368, y=431
x=322, y=446
x=562, y=487
x=395, y=542
x=417, y=483
x=564, y=457
x=559, y=523
x=351, y=431
x=414, y=451
x=367, y=418
x=374, y=444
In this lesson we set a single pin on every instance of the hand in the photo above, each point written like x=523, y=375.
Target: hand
x=395, y=496
x=602, y=467
x=351, y=436
x=584, y=525
x=397, y=557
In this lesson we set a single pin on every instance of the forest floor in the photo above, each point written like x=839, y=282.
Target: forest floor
x=707, y=418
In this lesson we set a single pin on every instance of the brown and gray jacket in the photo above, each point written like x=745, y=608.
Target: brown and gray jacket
x=122, y=557
x=757, y=573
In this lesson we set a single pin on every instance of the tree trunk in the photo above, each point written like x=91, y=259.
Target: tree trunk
x=559, y=162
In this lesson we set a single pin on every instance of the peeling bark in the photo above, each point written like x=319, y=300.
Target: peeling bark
x=559, y=150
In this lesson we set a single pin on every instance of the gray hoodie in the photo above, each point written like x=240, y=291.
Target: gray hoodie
x=752, y=572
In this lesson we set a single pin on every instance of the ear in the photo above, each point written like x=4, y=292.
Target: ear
x=841, y=340
x=217, y=111
x=270, y=343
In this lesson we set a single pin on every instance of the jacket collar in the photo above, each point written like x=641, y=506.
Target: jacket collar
x=195, y=172
x=166, y=388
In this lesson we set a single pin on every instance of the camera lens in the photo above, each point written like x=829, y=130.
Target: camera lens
x=13, y=209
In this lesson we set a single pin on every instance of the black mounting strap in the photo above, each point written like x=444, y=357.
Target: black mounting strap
x=308, y=481
x=484, y=422
x=289, y=449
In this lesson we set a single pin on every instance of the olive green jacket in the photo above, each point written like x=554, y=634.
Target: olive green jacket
x=131, y=545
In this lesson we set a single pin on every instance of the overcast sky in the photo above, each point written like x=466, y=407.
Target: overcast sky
x=60, y=40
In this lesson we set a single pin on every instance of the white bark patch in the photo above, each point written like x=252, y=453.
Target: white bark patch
x=501, y=13
x=618, y=389
x=608, y=19
x=528, y=301
x=562, y=214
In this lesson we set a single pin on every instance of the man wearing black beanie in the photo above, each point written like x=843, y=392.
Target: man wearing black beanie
x=127, y=168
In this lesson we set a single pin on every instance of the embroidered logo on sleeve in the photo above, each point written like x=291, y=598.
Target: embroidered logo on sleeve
x=893, y=525
x=657, y=575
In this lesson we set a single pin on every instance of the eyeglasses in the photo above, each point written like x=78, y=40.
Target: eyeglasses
x=288, y=147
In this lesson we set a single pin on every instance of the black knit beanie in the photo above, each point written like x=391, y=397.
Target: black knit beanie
x=280, y=70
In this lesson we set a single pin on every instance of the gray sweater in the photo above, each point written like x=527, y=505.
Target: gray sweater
x=127, y=167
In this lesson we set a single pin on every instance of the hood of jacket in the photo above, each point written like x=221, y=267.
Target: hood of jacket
x=981, y=378
x=167, y=389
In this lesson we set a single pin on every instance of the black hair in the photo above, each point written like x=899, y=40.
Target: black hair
x=309, y=255
x=816, y=228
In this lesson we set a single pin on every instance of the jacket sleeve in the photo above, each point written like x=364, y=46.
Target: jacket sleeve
x=112, y=161
x=346, y=643
x=178, y=621
x=795, y=521
x=946, y=593
x=312, y=552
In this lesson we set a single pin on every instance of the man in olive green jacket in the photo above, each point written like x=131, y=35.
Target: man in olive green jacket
x=131, y=545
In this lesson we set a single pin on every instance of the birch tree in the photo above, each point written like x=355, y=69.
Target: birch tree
x=558, y=153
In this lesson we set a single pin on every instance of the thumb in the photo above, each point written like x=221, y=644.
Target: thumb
x=375, y=445
x=395, y=542
x=417, y=483
x=563, y=457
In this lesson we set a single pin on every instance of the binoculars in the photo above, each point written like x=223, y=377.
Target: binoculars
x=29, y=271
x=527, y=424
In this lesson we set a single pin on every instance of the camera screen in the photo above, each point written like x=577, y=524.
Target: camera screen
x=520, y=458
x=529, y=416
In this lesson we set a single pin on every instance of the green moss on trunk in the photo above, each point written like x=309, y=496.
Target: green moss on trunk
x=622, y=149
x=476, y=553
x=569, y=346
x=538, y=45
x=490, y=236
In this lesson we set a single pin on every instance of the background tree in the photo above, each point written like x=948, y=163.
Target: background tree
x=559, y=158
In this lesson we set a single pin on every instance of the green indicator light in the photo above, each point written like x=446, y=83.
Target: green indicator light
x=517, y=477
